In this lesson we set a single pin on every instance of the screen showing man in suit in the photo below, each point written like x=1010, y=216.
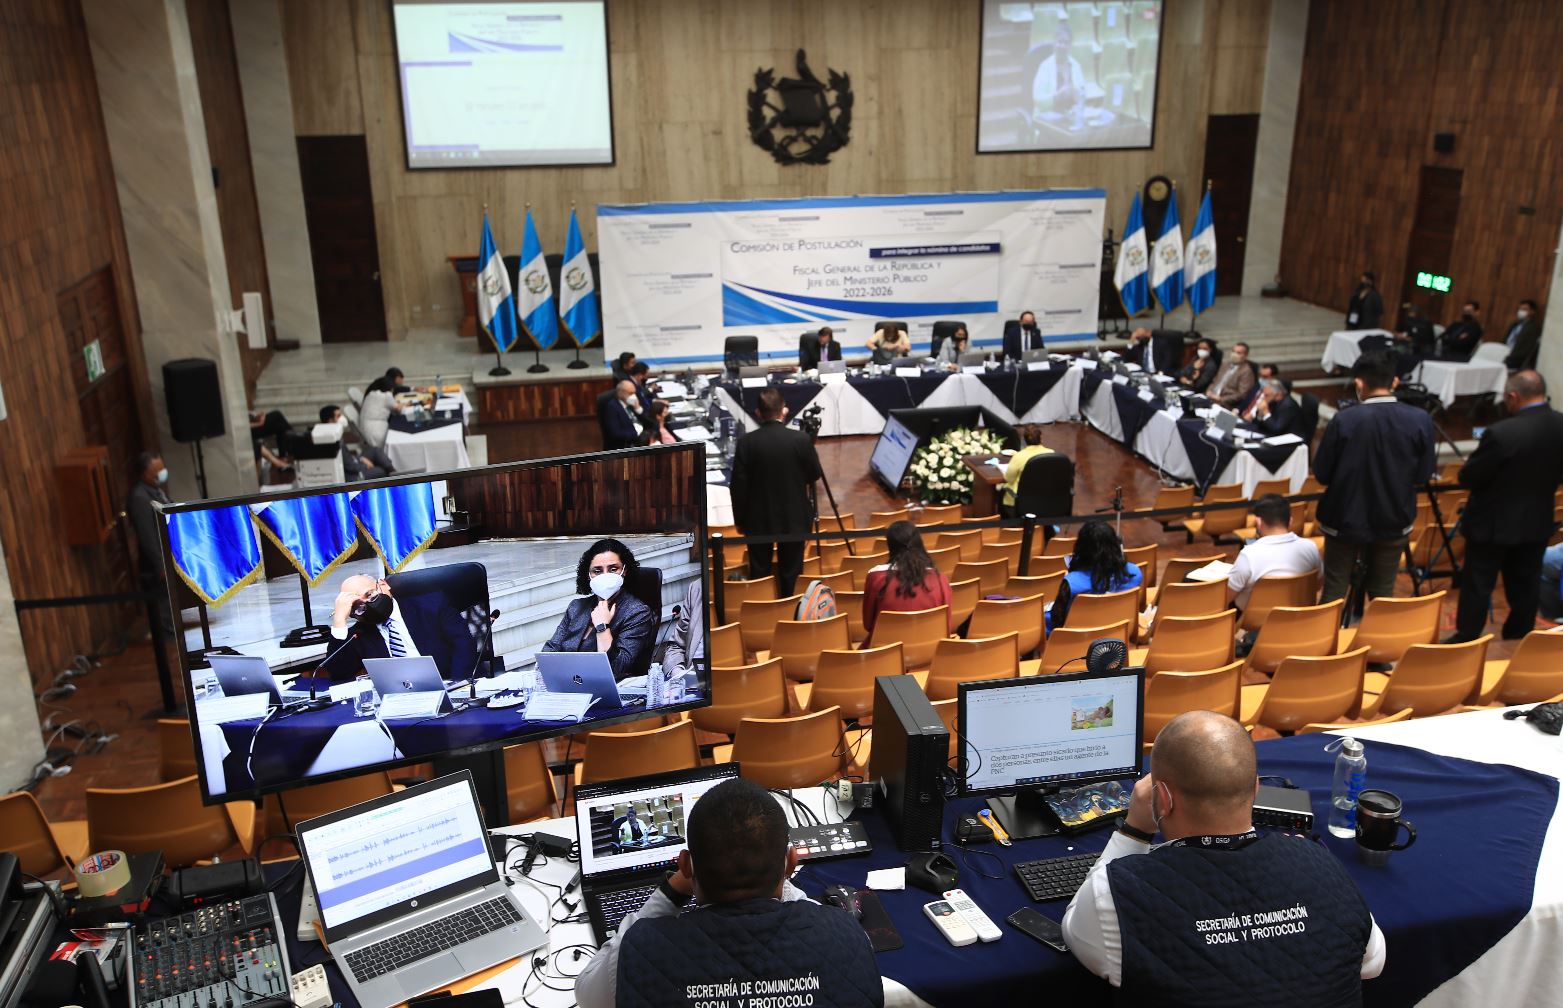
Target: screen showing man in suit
x=1067, y=76
x=429, y=603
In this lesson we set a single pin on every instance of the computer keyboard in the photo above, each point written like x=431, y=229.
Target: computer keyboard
x=1055, y=878
x=620, y=903
x=449, y=932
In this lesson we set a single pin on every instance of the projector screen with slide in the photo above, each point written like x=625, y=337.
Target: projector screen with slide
x=504, y=83
x=1068, y=76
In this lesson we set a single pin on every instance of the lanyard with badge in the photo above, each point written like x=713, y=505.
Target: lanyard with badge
x=1231, y=843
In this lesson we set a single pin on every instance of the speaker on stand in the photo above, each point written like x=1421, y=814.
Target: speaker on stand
x=195, y=406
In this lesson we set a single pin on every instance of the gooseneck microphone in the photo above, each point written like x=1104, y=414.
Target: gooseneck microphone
x=320, y=703
x=488, y=630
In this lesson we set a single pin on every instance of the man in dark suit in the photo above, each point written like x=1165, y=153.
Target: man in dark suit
x=639, y=372
x=151, y=477
x=774, y=468
x=1022, y=335
x=1523, y=338
x=1158, y=351
x=1366, y=306
x=1371, y=459
x=388, y=627
x=616, y=419
x=1464, y=335
x=1513, y=476
x=1277, y=412
x=815, y=347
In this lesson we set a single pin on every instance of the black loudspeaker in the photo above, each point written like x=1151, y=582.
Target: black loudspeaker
x=194, y=397
x=1443, y=143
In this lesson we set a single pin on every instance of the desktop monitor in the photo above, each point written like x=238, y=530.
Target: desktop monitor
x=483, y=570
x=907, y=430
x=1025, y=739
x=897, y=444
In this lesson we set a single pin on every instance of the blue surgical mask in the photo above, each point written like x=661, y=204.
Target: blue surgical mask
x=162, y=477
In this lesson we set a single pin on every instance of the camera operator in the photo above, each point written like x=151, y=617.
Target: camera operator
x=773, y=470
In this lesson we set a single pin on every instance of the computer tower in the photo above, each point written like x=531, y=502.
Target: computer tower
x=909, y=762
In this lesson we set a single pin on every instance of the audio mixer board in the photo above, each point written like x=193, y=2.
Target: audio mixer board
x=215, y=956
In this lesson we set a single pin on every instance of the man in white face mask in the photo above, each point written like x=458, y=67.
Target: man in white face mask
x=1523, y=337
x=151, y=479
x=607, y=618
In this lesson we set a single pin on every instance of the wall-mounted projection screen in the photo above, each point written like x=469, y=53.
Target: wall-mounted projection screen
x=504, y=83
x=1068, y=76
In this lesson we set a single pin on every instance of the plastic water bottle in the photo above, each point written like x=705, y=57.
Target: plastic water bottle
x=1351, y=770
x=654, y=686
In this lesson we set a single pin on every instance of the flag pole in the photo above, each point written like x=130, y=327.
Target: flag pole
x=576, y=364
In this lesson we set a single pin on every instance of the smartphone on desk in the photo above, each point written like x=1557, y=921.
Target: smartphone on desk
x=1043, y=929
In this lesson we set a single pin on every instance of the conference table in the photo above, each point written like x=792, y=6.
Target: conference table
x=432, y=445
x=859, y=404
x=1186, y=447
x=1472, y=913
x=1343, y=348
x=1450, y=379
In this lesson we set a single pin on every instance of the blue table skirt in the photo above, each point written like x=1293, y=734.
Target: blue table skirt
x=1018, y=390
x=1466, y=882
x=285, y=748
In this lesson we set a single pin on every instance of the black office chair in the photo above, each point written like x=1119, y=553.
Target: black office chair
x=739, y=352
x=1012, y=338
x=434, y=601
x=1307, y=416
x=943, y=330
x=646, y=585
x=1047, y=486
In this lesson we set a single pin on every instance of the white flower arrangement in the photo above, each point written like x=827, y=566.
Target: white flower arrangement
x=937, y=473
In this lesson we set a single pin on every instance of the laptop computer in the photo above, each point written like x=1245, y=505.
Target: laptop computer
x=1028, y=356
x=239, y=675
x=408, y=687
x=971, y=358
x=754, y=371
x=579, y=672
x=832, y=367
x=620, y=866
x=409, y=898
x=1226, y=422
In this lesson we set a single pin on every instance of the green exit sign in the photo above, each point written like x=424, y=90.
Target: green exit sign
x=1432, y=281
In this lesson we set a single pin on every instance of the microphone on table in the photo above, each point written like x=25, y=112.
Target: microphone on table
x=488, y=629
x=321, y=703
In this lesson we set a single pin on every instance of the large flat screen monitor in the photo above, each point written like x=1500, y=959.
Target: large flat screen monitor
x=448, y=614
x=893, y=454
x=1022, y=739
x=1067, y=76
x=907, y=430
x=504, y=83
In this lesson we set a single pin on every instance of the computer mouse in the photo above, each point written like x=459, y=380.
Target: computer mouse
x=846, y=898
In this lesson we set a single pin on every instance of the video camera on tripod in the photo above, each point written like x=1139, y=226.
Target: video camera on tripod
x=809, y=421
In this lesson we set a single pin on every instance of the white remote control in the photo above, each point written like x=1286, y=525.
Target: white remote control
x=311, y=989
x=979, y=921
x=950, y=923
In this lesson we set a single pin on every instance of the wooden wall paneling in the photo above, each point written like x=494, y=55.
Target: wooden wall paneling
x=680, y=73
x=1365, y=123
x=540, y=401
x=60, y=234
x=228, y=146
x=617, y=493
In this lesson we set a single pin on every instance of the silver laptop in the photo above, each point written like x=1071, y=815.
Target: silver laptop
x=580, y=672
x=244, y=674
x=832, y=367
x=404, y=675
x=1226, y=422
x=409, y=897
x=754, y=371
x=972, y=357
x=1027, y=356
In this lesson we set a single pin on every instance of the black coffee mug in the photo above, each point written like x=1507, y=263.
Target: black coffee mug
x=1378, y=825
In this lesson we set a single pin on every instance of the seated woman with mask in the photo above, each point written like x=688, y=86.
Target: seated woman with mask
x=607, y=618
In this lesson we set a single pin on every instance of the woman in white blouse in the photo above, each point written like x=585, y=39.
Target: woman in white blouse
x=374, y=416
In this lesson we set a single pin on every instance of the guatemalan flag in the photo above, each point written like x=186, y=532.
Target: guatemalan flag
x=215, y=551
x=1134, y=289
x=315, y=533
x=496, y=307
x=1199, y=260
x=578, y=297
x=535, y=299
x=397, y=520
x=1167, y=258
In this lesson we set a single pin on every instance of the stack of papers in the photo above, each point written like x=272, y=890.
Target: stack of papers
x=693, y=433
x=1282, y=439
x=1215, y=570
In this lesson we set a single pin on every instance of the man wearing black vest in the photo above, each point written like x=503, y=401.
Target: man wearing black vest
x=1219, y=914
x=728, y=914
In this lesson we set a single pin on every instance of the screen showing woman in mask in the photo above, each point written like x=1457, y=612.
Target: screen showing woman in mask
x=387, y=622
x=606, y=618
